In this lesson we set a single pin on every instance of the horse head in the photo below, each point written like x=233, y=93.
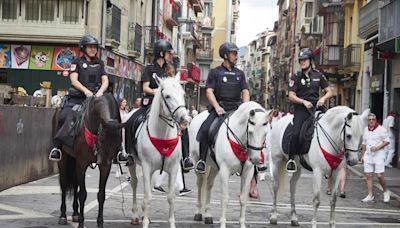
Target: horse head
x=352, y=135
x=256, y=129
x=173, y=100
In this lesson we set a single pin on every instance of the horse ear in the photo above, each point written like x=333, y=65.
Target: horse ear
x=178, y=76
x=364, y=115
x=158, y=79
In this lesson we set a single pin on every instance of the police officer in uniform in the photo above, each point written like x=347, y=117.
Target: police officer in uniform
x=225, y=87
x=162, y=56
x=88, y=78
x=304, y=94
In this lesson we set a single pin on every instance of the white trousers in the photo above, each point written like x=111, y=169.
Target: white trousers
x=178, y=183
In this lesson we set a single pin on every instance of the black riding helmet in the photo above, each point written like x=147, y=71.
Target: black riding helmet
x=160, y=47
x=306, y=53
x=87, y=40
x=227, y=47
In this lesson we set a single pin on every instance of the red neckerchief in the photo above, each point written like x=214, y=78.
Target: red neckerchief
x=239, y=152
x=333, y=161
x=374, y=127
x=91, y=139
x=165, y=146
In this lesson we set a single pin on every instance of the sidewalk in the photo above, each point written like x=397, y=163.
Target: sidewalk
x=392, y=176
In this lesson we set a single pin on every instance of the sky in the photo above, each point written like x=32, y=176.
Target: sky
x=255, y=16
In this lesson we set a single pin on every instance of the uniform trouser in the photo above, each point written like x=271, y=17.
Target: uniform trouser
x=130, y=129
x=301, y=114
x=65, y=111
x=185, y=143
x=204, y=134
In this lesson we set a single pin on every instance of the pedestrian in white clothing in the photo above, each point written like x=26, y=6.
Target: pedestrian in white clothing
x=388, y=123
x=179, y=183
x=375, y=139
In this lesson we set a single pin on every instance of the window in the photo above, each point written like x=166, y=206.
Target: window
x=42, y=10
x=71, y=9
x=9, y=9
x=309, y=9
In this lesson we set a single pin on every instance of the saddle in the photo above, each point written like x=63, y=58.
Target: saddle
x=133, y=125
x=214, y=129
x=305, y=137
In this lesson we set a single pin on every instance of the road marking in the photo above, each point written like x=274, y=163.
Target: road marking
x=376, y=184
x=264, y=222
x=94, y=203
x=21, y=213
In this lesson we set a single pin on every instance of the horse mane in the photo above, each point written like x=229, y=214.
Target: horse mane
x=244, y=110
x=335, y=118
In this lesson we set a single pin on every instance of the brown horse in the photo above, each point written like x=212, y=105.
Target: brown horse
x=103, y=120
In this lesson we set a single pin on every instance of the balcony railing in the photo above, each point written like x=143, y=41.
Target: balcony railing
x=352, y=55
x=368, y=22
x=333, y=55
x=389, y=26
x=207, y=23
x=113, y=29
x=150, y=36
x=204, y=54
x=198, y=5
x=135, y=37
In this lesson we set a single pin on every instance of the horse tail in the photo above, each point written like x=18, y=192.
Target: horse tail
x=68, y=178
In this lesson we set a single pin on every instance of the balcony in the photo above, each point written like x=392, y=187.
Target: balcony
x=135, y=40
x=352, y=58
x=198, y=5
x=207, y=24
x=368, y=21
x=113, y=28
x=204, y=54
x=171, y=14
x=389, y=27
x=24, y=21
x=347, y=2
x=150, y=37
x=333, y=55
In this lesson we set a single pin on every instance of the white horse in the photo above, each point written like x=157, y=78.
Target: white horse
x=247, y=128
x=337, y=136
x=167, y=112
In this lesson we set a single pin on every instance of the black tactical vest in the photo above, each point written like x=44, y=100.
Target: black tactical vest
x=90, y=75
x=228, y=86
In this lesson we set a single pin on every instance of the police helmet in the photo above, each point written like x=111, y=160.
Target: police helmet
x=306, y=53
x=87, y=40
x=227, y=47
x=162, y=46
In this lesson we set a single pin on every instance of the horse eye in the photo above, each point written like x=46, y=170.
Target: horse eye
x=251, y=122
x=168, y=97
x=265, y=124
x=348, y=136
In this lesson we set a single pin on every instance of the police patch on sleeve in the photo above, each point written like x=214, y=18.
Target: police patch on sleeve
x=73, y=67
x=291, y=83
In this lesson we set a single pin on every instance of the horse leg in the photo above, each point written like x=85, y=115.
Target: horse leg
x=134, y=182
x=101, y=195
x=276, y=173
x=246, y=177
x=75, y=206
x=317, y=187
x=63, y=217
x=147, y=194
x=199, y=205
x=335, y=180
x=208, y=219
x=224, y=173
x=81, y=171
x=171, y=194
x=293, y=182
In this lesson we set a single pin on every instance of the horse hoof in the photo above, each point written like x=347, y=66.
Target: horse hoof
x=198, y=217
x=62, y=221
x=273, y=221
x=135, y=221
x=294, y=223
x=75, y=218
x=208, y=220
x=100, y=226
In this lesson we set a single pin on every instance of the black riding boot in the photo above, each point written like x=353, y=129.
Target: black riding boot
x=188, y=163
x=201, y=164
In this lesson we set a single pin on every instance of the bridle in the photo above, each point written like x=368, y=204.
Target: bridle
x=246, y=146
x=172, y=119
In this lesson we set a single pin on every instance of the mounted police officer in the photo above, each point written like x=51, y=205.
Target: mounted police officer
x=88, y=78
x=162, y=56
x=304, y=94
x=226, y=87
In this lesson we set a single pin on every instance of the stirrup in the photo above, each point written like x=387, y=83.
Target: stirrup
x=295, y=166
x=201, y=171
x=53, y=159
x=124, y=155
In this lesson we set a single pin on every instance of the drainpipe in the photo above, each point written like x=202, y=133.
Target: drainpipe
x=103, y=23
x=385, y=91
x=230, y=20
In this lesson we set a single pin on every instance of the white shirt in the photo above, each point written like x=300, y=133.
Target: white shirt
x=374, y=138
x=388, y=123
